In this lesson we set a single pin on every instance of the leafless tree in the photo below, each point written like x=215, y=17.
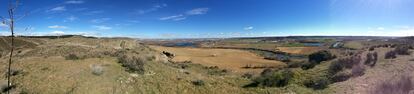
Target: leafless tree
x=10, y=21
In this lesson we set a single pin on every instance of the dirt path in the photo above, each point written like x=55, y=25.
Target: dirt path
x=223, y=58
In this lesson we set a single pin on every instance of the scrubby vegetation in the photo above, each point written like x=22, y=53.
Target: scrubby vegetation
x=317, y=83
x=390, y=55
x=344, y=68
x=317, y=57
x=132, y=61
x=272, y=78
x=401, y=85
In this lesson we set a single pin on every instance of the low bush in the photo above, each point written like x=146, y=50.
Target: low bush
x=357, y=70
x=390, y=55
x=403, y=85
x=272, y=79
x=371, y=59
x=132, y=62
x=371, y=48
x=316, y=58
x=72, y=57
x=97, y=70
x=295, y=64
x=402, y=50
x=306, y=66
x=219, y=72
x=198, y=82
x=340, y=76
x=320, y=56
x=317, y=83
x=247, y=75
x=336, y=70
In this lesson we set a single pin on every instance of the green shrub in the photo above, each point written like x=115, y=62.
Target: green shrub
x=390, y=55
x=316, y=58
x=402, y=50
x=320, y=56
x=317, y=83
x=72, y=57
x=272, y=79
x=198, y=82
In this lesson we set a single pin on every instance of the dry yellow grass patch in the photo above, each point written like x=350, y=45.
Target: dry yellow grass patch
x=299, y=50
x=223, y=58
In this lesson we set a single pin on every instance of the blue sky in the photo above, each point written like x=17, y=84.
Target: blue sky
x=213, y=18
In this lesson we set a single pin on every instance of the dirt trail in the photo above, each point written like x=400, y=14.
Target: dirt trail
x=223, y=58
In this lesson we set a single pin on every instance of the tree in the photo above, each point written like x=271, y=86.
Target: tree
x=11, y=24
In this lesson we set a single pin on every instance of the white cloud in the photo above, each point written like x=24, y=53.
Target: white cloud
x=57, y=27
x=248, y=28
x=152, y=9
x=174, y=17
x=75, y=2
x=101, y=20
x=197, y=11
x=59, y=8
x=94, y=12
x=57, y=33
x=102, y=27
x=71, y=19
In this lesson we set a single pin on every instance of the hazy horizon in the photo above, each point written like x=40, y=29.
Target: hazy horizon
x=213, y=18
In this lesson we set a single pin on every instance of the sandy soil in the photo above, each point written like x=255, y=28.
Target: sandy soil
x=223, y=58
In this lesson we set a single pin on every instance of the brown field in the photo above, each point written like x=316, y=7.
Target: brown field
x=223, y=58
x=299, y=50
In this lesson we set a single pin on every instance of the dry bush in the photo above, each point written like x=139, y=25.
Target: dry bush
x=72, y=57
x=247, y=75
x=371, y=59
x=198, y=82
x=317, y=83
x=371, y=48
x=270, y=78
x=403, y=85
x=337, y=69
x=402, y=50
x=390, y=55
x=97, y=69
x=132, y=61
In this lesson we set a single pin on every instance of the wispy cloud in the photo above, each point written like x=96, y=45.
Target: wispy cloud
x=197, y=11
x=102, y=27
x=174, y=17
x=179, y=17
x=57, y=27
x=248, y=28
x=152, y=9
x=57, y=9
x=94, y=12
x=70, y=19
x=101, y=20
x=74, y=2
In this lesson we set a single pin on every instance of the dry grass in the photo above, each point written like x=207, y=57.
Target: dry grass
x=234, y=60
